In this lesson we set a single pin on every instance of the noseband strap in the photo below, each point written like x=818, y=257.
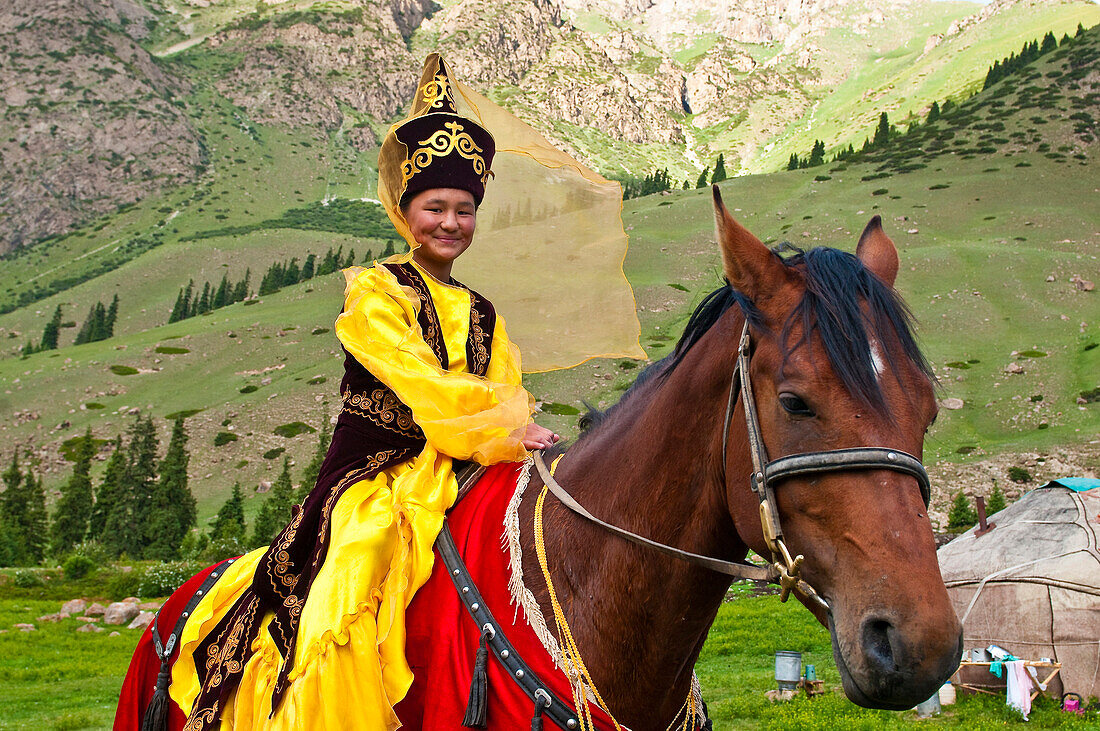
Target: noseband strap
x=858, y=458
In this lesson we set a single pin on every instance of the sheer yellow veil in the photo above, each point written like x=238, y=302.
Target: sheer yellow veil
x=549, y=246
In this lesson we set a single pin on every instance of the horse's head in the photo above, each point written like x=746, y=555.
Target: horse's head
x=834, y=366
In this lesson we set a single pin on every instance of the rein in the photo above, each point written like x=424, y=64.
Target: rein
x=784, y=569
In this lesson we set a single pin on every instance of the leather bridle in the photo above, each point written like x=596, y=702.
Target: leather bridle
x=784, y=569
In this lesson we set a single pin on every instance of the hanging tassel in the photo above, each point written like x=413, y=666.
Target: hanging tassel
x=479, y=688
x=156, y=714
x=536, y=720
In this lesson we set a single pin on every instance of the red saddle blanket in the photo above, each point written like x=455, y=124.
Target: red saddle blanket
x=441, y=641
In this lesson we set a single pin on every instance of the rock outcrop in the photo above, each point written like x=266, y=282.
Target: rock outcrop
x=90, y=120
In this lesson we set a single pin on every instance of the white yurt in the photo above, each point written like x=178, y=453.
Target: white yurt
x=1032, y=583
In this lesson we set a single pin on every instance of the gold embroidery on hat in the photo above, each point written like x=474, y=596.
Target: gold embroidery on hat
x=437, y=91
x=441, y=144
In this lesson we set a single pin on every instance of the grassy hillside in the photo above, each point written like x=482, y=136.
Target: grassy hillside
x=991, y=231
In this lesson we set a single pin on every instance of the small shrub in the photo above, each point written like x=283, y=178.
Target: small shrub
x=125, y=584
x=962, y=514
x=550, y=407
x=319, y=331
x=880, y=191
x=316, y=380
x=171, y=350
x=27, y=579
x=124, y=370
x=1019, y=474
x=224, y=437
x=996, y=501
x=77, y=567
x=273, y=453
x=164, y=578
x=184, y=414
x=293, y=429
x=250, y=389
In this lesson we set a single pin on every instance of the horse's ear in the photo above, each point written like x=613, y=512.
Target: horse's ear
x=749, y=266
x=877, y=252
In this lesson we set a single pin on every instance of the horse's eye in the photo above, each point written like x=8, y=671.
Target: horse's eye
x=794, y=405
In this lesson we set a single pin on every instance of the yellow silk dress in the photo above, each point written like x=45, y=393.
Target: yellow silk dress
x=349, y=666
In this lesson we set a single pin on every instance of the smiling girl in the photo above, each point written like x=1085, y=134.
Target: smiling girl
x=309, y=632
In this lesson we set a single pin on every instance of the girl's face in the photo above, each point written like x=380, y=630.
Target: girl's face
x=442, y=221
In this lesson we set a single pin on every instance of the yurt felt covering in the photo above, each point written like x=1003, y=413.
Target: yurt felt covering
x=1032, y=583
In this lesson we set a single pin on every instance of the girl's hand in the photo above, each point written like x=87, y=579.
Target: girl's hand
x=539, y=437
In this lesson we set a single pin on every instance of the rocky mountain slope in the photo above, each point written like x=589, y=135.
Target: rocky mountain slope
x=105, y=100
x=90, y=120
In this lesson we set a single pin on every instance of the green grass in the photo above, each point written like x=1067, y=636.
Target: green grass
x=56, y=678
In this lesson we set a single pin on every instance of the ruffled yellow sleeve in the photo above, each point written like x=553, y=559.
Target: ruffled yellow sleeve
x=462, y=416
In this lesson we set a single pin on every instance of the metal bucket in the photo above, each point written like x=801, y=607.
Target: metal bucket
x=930, y=707
x=788, y=669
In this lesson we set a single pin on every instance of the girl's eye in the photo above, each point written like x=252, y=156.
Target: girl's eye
x=794, y=405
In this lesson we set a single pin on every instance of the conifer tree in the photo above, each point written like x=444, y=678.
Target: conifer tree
x=291, y=273
x=309, y=267
x=350, y=261
x=702, y=181
x=719, y=169
x=172, y=507
x=177, y=309
x=109, y=498
x=240, y=291
x=188, y=296
x=962, y=515
x=817, y=154
x=793, y=163
x=203, y=305
x=112, y=315
x=35, y=524
x=1049, y=43
x=882, y=132
x=229, y=523
x=221, y=296
x=13, y=476
x=99, y=323
x=275, y=513
x=13, y=508
x=313, y=469
x=51, y=332
x=125, y=529
x=1080, y=31
x=933, y=113
x=70, y=519
x=996, y=502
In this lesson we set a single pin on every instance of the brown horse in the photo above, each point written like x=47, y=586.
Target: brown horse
x=833, y=366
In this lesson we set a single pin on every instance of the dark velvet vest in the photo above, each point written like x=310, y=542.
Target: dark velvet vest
x=373, y=431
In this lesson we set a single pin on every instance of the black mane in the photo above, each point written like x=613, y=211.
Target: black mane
x=837, y=284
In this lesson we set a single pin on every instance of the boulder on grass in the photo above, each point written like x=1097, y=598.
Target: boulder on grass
x=73, y=607
x=143, y=620
x=95, y=610
x=89, y=628
x=120, y=612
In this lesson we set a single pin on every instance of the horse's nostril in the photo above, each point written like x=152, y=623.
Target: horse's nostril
x=877, y=646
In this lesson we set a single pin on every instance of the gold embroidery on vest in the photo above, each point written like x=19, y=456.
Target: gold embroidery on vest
x=478, y=336
x=383, y=408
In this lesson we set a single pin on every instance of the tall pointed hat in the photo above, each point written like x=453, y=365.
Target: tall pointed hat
x=435, y=146
x=550, y=244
